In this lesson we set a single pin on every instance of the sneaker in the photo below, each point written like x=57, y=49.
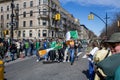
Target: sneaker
x=37, y=60
x=64, y=60
x=45, y=60
x=68, y=61
x=71, y=63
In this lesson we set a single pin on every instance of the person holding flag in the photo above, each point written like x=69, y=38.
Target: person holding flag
x=70, y=37
x=59, y=47
x=72, y=50
x=52, y=52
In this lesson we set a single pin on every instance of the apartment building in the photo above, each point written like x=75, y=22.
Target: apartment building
x=35, y=19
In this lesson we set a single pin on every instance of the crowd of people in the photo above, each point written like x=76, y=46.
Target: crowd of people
x=104, y=57
x=28, y=47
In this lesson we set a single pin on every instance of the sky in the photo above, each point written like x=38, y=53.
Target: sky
x=82, y=8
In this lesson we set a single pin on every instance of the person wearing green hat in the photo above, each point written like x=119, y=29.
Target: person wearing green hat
x=110, y=64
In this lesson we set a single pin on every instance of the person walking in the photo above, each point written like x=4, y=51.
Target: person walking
x=13, y=50
x=72, y=50
x=90, y=56
x=37, y=46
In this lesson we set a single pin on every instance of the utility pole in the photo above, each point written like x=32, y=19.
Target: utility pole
x=106, y=23
x=49, y=15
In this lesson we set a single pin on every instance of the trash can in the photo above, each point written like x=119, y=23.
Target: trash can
x=1, y=70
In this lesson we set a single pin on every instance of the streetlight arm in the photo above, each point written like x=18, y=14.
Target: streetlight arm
x=98, y=17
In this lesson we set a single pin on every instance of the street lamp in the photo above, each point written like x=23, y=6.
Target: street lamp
x=91, y=16
x=12, y=15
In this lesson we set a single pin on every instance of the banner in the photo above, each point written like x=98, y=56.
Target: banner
x=73, y=34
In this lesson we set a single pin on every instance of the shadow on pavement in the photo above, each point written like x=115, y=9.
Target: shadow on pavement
x=86, y=73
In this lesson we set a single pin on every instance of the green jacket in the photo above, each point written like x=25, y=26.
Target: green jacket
x=109, y=65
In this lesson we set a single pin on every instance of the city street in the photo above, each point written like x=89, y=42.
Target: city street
x=29, y=69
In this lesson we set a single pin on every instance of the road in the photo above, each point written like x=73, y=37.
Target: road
x=29, y=69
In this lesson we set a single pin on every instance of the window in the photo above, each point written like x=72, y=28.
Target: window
x=24, y=23
x=39, y=2
x=44, y=23
x=44, y=33
x=45, y=1
x=38, y=33
x=24, y=5
x=7, y=8
x=24, y=33
x=7, y=25
x=30, y=33
x=44, y=12
x=2, y=17
x=31, y=13
x=2, y=25
x=17, y=6
x=7, y=16
x=24, y=14
x=39, y=22
x=19, y=33
x=1, y=9
x=31, y=3
x=31, y=23
x=39, y=11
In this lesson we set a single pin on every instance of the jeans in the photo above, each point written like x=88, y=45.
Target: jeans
x=13, y=56
x=91, y=71
x=72, y=53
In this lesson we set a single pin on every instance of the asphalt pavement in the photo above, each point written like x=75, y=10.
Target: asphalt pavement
x=28, y=69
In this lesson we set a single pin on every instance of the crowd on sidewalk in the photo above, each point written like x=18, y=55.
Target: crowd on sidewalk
x=28, y=47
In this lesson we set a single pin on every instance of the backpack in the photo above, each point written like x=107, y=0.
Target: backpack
x=117, y=74
x=110, y=65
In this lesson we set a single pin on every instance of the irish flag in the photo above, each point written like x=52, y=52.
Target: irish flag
x=73, y=34
x=45, y=51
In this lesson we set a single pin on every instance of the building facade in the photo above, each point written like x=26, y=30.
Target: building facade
x=35, y=19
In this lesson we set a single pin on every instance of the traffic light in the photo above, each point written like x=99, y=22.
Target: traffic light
x=118, y=23
x=5, y=32
x=90, y=17
x=57, y=16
